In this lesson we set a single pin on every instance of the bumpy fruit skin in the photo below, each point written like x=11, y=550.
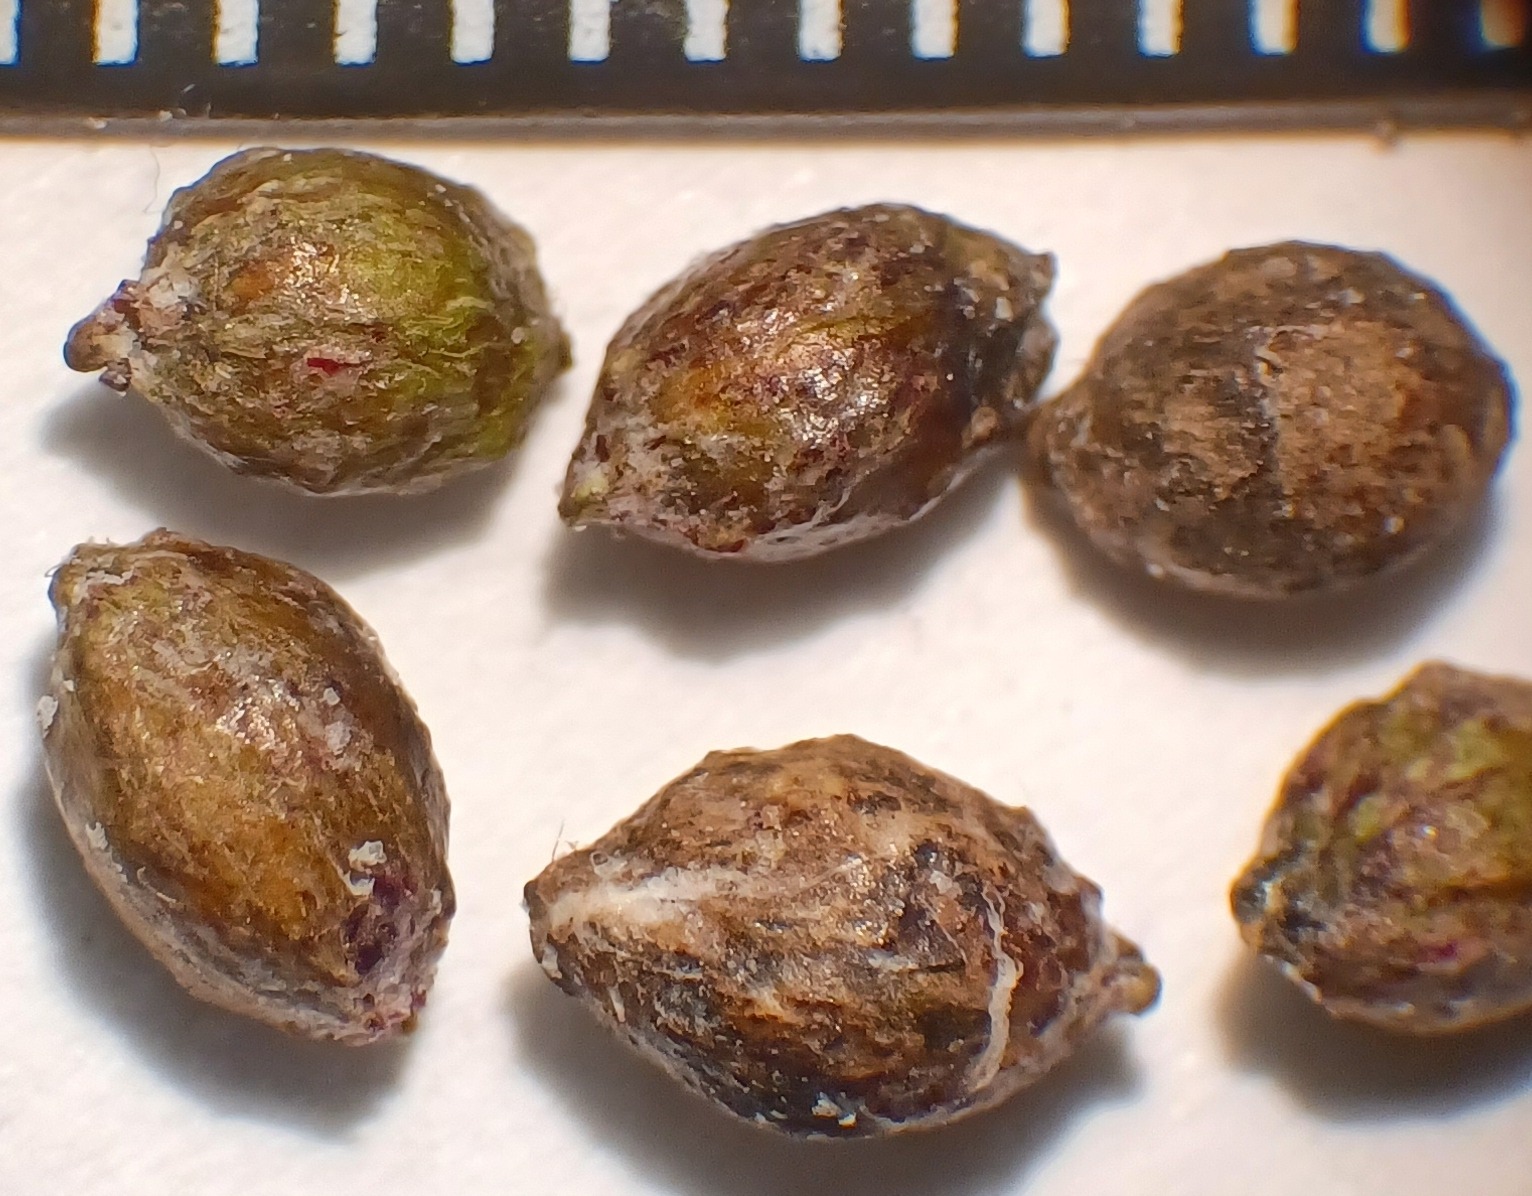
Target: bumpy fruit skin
x=817, y=384
x=1394, y=877
x=333, y=320
x=831, y=939
x=1289, y=418
x=248, y=784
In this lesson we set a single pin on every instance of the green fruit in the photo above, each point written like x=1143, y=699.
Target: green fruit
x=333, y=320
x=1394, y=875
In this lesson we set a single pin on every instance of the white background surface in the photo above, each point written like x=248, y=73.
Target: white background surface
x=566, y=677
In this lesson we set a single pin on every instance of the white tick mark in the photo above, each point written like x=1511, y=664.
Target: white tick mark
x=10, y=24
x=1159, y=27
x=590, y=30
x=356, y=32
x=473, y=30
x=819, y=30
x=236, y=39
x=116, y=32
x=1274, y=26
x=1045, y=28
x=1388, y=25
x=1504, y=23
x=933, y=28
x=706, y=30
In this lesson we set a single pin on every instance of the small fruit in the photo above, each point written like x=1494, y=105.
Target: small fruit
x=334, y=320
x=1393, y=878
x=814, y=385
x=1288, y=418
x=248, y=785
x=831, y=939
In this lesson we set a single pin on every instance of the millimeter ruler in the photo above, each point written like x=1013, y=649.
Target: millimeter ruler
x=1038, y=61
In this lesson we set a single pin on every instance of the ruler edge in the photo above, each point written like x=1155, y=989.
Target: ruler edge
x=1490, y=109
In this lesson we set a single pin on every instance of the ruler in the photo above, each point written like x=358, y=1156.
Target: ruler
x=90, y=62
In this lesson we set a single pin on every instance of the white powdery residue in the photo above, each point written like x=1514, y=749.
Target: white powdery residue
x=47, y=707
x=767, y=1001
x=336, y=737
x=654, y=901
x=367, y=855
x=825, y=1107
x=95, y=835
x=986, y=1066
x=361, y=858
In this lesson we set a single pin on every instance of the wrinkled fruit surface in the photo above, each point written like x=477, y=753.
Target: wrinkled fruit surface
x=333, y=320
x=248, y=784
x=817, y=384
x=1288, y=418
x=1394, y=877
x=831, y=939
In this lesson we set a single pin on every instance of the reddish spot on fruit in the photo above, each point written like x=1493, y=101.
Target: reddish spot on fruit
x=327, y=365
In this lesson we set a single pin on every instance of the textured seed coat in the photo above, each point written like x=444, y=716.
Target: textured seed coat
x=248, y=784
x=333, y=320
x=814, y=385
x=831, y=939
x=1289, y=418
x=1394, y=876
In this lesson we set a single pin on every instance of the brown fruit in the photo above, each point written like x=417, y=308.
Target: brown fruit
x=1288, y=418
x=248, y=785
x=832, y=939
x=817, y=384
